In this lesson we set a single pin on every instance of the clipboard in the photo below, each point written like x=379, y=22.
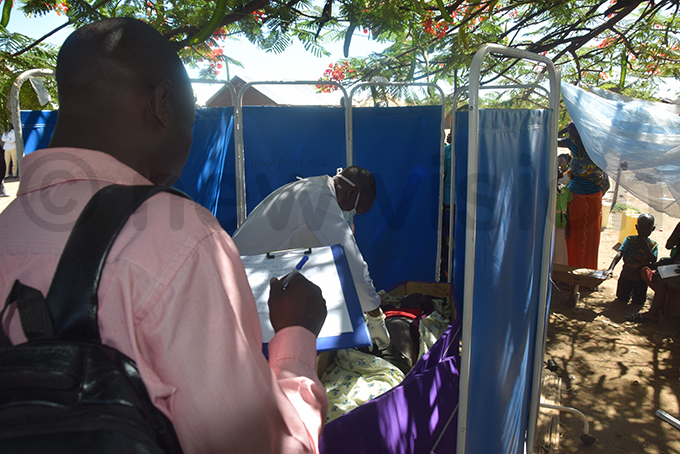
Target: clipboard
x=328, y=268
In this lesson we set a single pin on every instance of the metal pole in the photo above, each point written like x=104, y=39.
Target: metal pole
x=582, y=417
x=616, y=189
x=668, y=418
x=15, y=108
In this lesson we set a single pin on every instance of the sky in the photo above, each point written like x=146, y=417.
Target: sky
x=295, y=63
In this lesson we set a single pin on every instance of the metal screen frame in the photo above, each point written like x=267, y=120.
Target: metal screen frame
x=470, y=236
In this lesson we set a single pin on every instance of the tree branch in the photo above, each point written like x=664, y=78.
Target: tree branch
x=41, y=39
x=579, y=41
x=228, y=19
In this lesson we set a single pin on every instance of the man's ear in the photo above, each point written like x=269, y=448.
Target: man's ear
x=159, y=102
x=353, y=190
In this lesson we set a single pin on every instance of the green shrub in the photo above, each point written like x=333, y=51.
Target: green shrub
x=621, y=207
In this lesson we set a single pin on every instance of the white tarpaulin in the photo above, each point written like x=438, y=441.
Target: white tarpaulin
x=640, y=138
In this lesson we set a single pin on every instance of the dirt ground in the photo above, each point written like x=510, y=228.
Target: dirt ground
x=617, y=373
x=11, y=188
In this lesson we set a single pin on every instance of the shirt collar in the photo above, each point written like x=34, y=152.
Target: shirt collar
x=51, y=166
x=330, y=182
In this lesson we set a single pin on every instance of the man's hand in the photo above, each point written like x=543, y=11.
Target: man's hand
x=608, y=274
x=301, y=304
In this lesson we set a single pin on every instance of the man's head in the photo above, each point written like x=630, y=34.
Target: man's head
x=355, y=189
x=124, y=91
x=645, y=225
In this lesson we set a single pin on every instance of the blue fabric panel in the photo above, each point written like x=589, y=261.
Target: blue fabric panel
x=202, y=176
x=398, y=236
x=37, y=128
x=513, y=196
x=282, y=143
x=203, y=173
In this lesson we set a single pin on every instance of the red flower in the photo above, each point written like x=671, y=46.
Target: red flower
x=258, y=15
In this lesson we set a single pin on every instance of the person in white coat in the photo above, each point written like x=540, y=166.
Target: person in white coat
x=10, y=148
x=318, y=211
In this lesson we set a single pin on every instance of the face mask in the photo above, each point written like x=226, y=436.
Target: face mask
x=349, y=215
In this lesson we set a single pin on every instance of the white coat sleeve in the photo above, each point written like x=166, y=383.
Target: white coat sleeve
x=325, y=220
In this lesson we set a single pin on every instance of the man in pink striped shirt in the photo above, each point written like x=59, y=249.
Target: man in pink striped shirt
x=173, y=295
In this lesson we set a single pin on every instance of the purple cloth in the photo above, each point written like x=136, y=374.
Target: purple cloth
x=418, y=415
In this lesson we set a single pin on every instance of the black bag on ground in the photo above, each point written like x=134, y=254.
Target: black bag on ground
x=63, y=391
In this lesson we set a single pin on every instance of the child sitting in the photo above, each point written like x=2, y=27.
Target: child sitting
x=637, y=251
x=660, y=285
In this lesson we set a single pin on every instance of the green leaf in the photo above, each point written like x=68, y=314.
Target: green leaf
x=214, y=22
x=462, y=37
x=6, y=11
x=348, y=39
x=412, y=67
x=445, y=14
x=624, y=68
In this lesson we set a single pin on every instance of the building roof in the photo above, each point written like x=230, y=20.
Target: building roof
x=273, y=95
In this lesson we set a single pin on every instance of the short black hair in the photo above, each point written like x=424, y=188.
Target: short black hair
x=362, y=178
x=565, y=156
x=98, y=59
x=646, y=218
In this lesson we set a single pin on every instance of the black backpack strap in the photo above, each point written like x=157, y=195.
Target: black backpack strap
x=72, y=297
x=33, y=313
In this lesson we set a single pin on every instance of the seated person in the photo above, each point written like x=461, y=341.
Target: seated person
x=673, y=245
x=317, y=211
x=637, y=251
x=658, y=284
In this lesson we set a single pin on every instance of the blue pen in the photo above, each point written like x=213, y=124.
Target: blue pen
x=295, y=271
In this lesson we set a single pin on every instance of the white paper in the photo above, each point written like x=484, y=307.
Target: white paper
x=320, y=269
x=667, y=271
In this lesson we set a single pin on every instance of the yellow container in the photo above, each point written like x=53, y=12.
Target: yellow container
x=606, y=209
x=628, y=223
